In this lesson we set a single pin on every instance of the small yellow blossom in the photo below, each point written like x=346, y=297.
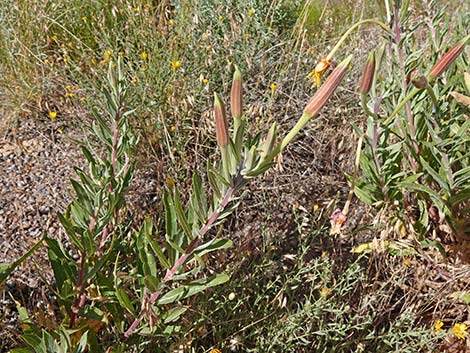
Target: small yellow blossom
x=135, y=9
x=438, y=325
x=134, y=80
x=143, y=55
x=175, y=64
x=325, y=292
x=54, y=38
x=170, y=182
x=171, y=22
x=205, y=81
x=107, y=54
x=459, y=331
x=70, y=44
x=93, y=61
x=315, y=208
x=52, y=114
x=172, y=128
x=406, y=262
x=220, y=18
x=84, y=19
x=273, y=87
x=251, y=11
x=69, y=95
x=65, y=59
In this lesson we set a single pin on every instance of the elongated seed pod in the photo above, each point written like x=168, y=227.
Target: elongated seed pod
x=368, y=74
x=221, y=124
x=320, y=98
x=448, y=58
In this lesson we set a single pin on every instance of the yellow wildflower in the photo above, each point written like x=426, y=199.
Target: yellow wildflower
x=84, y=19
x=251, y=11
x=220, y=18
x=143, y=55
x=69, y=95
x=171, y=22
x=52, y=114
x=205, y=81
x=273, y=87
x=175, y=64
x=134, y=80
x=438, y=325
x=135, y=9
x=65, y=59
x=54, y=38
x=315, y=208
x=172, y=128
x=215, y=350
x=170, y=182
x=107, y=54
x=319, y=70
x=459, y=331
x=325, y=292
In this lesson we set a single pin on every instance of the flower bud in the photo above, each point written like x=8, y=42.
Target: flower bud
x=221, y=124
x=448, y=58
x=320, y=98
x=237, y=94
x=419, y=81
x=368, y=74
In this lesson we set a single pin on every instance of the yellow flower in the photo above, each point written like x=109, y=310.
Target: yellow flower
x=251, y=11
x=172, y=128
x=170, y=182
x=273, y=87
x=325, y=292
x=220, y=18
x=319, y=70
x=69, y=95
x=134, y=80
x=107, y=54
x=135, y=9
x=84, y=19
x=175, y=64
x=54, y=38
x=315, y=208
x=171, y=22
x=438, y=325
x=459, y=331
x=65, y=59
x=52, y=114
x=205, y=81
x=143, y=55
x=215, y=350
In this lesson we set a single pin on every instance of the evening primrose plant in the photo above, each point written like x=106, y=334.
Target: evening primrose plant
x=119, y=284
x=414, y=165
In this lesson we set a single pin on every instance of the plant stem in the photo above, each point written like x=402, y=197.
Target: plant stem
x=350, y=30
x=400, y=105
x=188, y=251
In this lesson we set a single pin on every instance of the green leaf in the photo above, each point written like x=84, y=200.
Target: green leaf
x=7, y=268
x=442, y=183
x=181, y=216
x=154, y=245
x=213, y=245
x=173, y=314
x=192, y=288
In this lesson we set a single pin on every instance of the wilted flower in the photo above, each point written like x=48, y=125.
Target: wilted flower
x=319, y=70
x=459, y=331
x=337, y=220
